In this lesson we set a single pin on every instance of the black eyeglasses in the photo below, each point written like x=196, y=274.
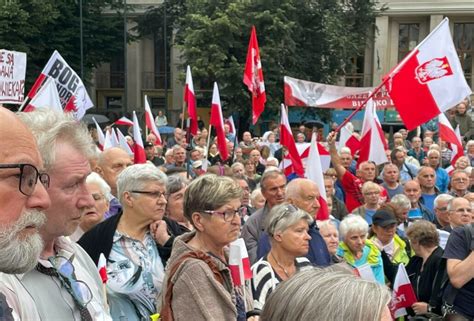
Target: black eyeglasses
x=229, y=215
x=155, y=194
x=29, y=176
x=78, y=289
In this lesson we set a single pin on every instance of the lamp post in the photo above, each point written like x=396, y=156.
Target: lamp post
x=124, y=102
x=81, y=40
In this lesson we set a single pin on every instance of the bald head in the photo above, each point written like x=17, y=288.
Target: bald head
x=304, y=194
x=111, y=163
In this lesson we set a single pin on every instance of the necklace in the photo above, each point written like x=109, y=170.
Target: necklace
x=281, y=266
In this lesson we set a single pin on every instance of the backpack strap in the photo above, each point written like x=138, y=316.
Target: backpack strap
x=166, y=313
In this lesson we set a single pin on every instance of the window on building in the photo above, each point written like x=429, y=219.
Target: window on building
x=113, y=102
x=355, y=72
x=408, y=38
x=161, y=77
x=463, y=37
x=117, y=67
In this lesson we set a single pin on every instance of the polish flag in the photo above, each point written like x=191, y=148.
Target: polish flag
x=102, y=267
x=100, y=134
x=124, y=121
x=429, y=80
x=253, y=77
x=46, y=97
x=314, y=172
x=303, y=149
x=453, y=137
x=139, y=150
x=123, y=144
x=403, y=295
x=150, y=123
x=230, y=121
x=109, y=140
x=217, y=120
x=347, y=139
x=239, y=262
x=287, y=140
x=190, y=100
x=372, y=142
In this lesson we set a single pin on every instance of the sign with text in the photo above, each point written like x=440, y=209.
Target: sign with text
x=12, y=76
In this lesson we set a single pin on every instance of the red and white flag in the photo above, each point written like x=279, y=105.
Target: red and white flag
x=71, y=89
x=253, y=77
x=46, y=97
x=372, y=142
x=314, y=172
x=303, y=149
x=109, y=140
x=451, y=136
x=230, y=121
x=124, y=121
x=217, y=120
x=347, y=139
x=123, y=144
x=429, y=80
x=139, y=149
x=287, y=140
x=239, y=262
x=403, y=295
x=100, y=134
x=190, y=100
x=150, y=123
x=102, y=267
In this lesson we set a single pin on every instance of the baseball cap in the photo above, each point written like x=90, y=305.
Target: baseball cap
x=384, y=218
x=147, y=144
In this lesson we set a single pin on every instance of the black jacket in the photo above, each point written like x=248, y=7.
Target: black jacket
x=100, y=238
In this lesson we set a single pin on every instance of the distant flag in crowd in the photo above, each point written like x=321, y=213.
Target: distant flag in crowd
x=239, y=262
x=123, y=142
x=303, y=150
x=46, y=97
x=253, y=77
x=449, y=135
x=372, y=142
x=314, y=172
x=150, y=122
x=102, y=267
x=100, y=134
x=109, y=140
x=429, y=80
x=71, y=89
x=287, y=140
x=217, y=120
x=403, y=295
x=190, y=100
x=139, y=149
x=124, y=121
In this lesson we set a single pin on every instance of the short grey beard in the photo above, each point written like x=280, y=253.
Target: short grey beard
x=21, y=255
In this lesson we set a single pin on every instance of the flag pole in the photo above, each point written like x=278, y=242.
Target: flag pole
x=182, y=119
x=208, y=141
x=24, y=103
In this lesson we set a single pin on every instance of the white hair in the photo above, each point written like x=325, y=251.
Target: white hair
x=353, y=223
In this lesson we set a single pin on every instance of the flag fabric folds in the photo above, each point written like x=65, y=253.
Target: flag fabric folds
x=239, y=262
x=217, y=120
x=451, y=136
x=150, y=123
x=124, y=121
x=139, y=149
x=314, y=172
x=403, y=295
x=46, y=97
x=253, y=77
x=429, y=80
x=123, y=144
x=102, y=267
x=190, y=100
x=287, y=140
x=100, y=134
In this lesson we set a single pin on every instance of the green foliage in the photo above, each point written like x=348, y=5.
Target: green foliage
x=306, y=39
x=38, y=27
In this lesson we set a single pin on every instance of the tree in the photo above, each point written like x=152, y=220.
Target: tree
x=311, y=40
x=38, y=27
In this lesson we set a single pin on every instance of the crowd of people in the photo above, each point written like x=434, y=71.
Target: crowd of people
x=164, y=227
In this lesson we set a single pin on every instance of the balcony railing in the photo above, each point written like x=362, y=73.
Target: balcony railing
x=109, y=80
x=358, y=80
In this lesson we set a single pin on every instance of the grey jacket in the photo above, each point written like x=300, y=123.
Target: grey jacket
x=252, y=230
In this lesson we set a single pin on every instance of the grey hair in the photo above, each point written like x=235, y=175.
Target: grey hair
x=353, y=223
x=270, y=174
x=135, y=177
x=255, y=193
x=469, y=144
x=282, y=216
x=318, y=294
x=326, y=224
x=450, y=206
x=236, y=164
x=209, y=192
x=94, y=178
x=50, y=127
x=442, y=198
x=433, y=151
x=169, y=152
x=273, y=159
x=401, y=201
x=345, y=150
x=175, y=183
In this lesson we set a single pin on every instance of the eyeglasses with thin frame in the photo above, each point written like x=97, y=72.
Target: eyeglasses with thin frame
x=153, y=194
x=79, y=290
x=228, y=215
x=29, y=176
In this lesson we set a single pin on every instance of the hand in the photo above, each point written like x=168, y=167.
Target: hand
x=332, y=138
x=159, y=231
x=420, y=307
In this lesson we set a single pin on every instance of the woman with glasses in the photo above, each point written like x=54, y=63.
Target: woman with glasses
x=287, y=227
x=371, y=194
x=198, y=283
x=135, y=242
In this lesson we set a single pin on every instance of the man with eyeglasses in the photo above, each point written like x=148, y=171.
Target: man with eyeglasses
x=65, y=284
x=441, y=210
x=459, y=183
x=23, y=198
x=459, y=213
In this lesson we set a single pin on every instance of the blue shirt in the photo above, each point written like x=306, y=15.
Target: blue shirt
x=428, y=201
x=442, y=179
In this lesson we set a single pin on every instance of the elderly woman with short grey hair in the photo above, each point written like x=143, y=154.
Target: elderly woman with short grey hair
x=198, y=283
x=135, y=243
x=287, y=227
x=176, y=187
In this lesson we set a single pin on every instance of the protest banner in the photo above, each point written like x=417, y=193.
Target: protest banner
x=12, y=76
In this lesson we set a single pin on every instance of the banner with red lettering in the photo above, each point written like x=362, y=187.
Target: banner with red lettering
x=304, y=93
x=12, y=76
x=71, y=89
